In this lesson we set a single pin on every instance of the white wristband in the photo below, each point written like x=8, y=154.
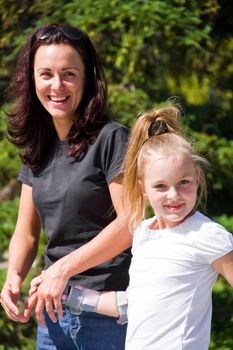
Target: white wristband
x=122, y=305
x=82, y=299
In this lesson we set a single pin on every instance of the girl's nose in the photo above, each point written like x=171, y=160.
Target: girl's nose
x=172, y=193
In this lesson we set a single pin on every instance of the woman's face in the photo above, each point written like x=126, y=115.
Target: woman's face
x=59, y=74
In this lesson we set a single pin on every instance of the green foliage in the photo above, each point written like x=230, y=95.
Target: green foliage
x=8, y=216
x=219, y=151
x=225, y=221
x=222, y=317
x=14, y=335
x=126, y=103
x=9, y=159
x=148, y=38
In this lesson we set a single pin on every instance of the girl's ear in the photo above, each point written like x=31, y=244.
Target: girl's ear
x=141, y=188
x=198, y=178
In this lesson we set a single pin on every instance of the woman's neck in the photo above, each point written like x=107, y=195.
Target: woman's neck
x=62, y=129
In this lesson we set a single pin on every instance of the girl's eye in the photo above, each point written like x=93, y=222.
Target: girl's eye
x=160, y=186
x=184, y=182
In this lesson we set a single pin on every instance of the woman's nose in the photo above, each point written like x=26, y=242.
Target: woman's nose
x=57, y=82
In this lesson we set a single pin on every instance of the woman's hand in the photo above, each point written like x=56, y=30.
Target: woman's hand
x=35, y=282
x=9, y=297
x=46, y=292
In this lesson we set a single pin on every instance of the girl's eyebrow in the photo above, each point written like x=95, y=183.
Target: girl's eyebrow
x=65, y=68
x=186, y=175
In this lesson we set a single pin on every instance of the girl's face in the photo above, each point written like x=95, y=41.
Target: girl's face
x=170, y=184
x=59, y=74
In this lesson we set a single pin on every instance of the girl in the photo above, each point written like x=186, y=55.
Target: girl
x=178, y=253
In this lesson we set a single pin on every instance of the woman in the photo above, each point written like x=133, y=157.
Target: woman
x=71, y=186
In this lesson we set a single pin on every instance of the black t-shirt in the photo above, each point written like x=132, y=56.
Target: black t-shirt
x=73, y=201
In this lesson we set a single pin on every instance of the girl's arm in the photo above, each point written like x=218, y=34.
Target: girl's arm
x=111, y=241
x=22, y=252
x=224, y=266
x=107, y=304
x=114, y=304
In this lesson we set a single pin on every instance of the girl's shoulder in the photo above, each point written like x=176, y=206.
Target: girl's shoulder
x=210, y=238
x=206, y=224
x=142, y=230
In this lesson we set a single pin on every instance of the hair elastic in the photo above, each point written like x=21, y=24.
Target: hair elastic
x=157, y=127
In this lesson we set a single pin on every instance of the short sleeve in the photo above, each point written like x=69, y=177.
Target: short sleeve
x=214, y=242
x=24, y=175
x=114, y=151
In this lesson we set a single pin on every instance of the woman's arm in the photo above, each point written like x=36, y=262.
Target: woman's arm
x=111, y=241
x=224, y=266
x=22, y=252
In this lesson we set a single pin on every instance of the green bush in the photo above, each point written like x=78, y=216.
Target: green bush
x=8, y=216
x=14, y=335
x=9, y=155
x=225, y=221
x=222, y=321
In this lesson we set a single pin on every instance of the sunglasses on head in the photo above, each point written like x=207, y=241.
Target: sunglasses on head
x=69, y=32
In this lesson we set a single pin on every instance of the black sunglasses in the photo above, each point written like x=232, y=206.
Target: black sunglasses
x=69, y=32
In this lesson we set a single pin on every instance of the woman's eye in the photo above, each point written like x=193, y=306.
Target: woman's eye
x=69, y=74
x=45, y=74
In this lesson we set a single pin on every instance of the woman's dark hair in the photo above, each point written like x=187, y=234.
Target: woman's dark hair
x=30, y=126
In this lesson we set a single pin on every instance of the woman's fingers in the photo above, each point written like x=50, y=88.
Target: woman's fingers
x=49, y=306
x=29, y=305
x=35, y=282
x=9, y=298
x=39, y=311
x=58, y=306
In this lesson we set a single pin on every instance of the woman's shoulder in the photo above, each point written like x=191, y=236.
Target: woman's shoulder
x=112, y=134
x=113, y=126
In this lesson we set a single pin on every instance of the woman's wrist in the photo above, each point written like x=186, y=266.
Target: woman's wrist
x=66, y=267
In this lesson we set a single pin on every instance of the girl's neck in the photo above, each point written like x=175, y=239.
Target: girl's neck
x=160, y=224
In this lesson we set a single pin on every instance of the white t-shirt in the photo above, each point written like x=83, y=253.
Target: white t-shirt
x=171, y=280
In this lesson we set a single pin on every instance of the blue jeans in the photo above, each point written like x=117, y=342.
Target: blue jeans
x=88, y=331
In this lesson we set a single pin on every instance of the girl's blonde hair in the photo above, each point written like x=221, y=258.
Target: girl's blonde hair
x=156, y=131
